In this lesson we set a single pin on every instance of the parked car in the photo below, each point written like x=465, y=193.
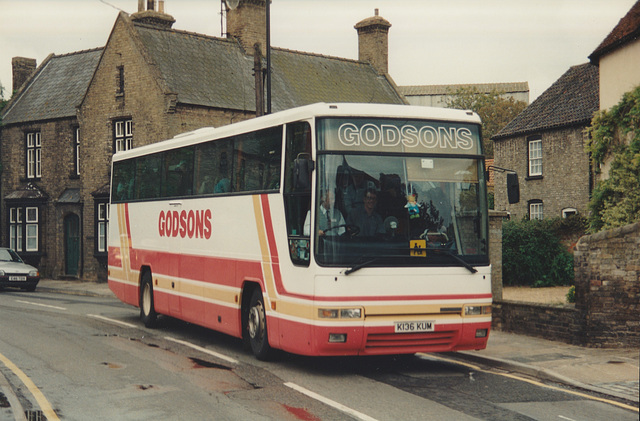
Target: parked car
x=16, y=273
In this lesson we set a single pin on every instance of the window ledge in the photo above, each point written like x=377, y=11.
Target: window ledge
x=533, y=177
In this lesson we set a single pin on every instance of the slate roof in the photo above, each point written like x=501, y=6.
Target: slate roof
x=215, y=72
x=627, y=29
x=55, y=90
x=570, y=101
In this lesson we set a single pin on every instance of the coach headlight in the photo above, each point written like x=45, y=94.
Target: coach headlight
x=342, y=313
x=1, y=272
x=34, y=273
x=477, y=310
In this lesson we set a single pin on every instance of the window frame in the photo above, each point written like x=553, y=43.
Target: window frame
x=101, y=221
x=538, y=213
x=33, y=155
x=122, y=135
x=24, y=228
x=534, y=167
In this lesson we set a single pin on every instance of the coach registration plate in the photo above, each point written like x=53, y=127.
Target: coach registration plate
x=17, y=278
x=414, y=327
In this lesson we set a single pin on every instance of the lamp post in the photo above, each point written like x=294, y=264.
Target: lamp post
x=268, y=15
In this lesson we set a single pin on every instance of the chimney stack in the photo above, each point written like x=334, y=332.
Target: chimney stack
x=373, y=42
x=151, y=16
x=22, y=68
x=248, y=23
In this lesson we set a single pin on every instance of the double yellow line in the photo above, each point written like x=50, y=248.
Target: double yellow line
x=45, y=406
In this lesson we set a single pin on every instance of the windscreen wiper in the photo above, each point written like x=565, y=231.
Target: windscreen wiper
x=360, y=265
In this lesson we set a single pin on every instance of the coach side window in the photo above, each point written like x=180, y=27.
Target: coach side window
x=179, y=172
x=297, y=194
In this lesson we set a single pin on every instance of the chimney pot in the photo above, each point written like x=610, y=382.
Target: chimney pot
x=373, y=42
x=22, y=69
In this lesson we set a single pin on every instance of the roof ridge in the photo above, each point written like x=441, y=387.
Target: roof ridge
x=89, y=50
x=288, y=50
x=184, y=32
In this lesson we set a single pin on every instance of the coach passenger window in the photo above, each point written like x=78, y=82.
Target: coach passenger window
x=123, y=181
x=178, y=172
x=297, y=198
x=148, y=175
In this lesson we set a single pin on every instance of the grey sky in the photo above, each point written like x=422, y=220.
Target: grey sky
x=430, y=41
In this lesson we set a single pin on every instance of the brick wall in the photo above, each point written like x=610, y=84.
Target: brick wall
x=57, y=155
x=148, y=102
x=607, y=268
x=565, y=173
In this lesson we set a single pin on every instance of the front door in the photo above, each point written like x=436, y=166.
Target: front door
x=71, y=244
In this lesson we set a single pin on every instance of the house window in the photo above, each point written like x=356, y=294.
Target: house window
x=567, y=212
x=23, y=228
x=123, y=134
x=536, y=210
x=76, y=151
x=34, y=154
x=102, y=224
x=535, y=157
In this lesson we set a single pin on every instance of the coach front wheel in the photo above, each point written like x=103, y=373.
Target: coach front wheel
x=257, y=327
x=148, y=313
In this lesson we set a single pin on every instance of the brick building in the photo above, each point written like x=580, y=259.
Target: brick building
x=149, y=83
x=545, y=145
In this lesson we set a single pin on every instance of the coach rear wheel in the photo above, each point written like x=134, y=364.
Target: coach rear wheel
x=148, y=313
x=257, y=327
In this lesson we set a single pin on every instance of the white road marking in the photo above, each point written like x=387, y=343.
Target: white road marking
x=118, y=322
x=201, y=349
x=40, y=305
x=332, y=403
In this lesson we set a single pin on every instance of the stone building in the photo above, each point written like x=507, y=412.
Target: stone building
x=437, y=95
x=545, y=145
x=149, y=83
x=618, y=59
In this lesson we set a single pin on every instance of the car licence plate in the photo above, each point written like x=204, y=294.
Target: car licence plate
x=17, y=278
x=415, y=327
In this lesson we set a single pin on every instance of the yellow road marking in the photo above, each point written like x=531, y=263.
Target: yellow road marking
x=45, y=406
x=534, y=382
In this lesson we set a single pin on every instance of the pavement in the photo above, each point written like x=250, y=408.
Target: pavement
x=612, y=373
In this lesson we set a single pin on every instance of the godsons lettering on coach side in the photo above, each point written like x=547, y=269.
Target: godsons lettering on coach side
x=192, y=224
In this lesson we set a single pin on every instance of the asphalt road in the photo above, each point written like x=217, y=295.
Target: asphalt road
x=74, y=358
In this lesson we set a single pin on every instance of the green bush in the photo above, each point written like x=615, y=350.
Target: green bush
x=532, y=255
x=571, y=295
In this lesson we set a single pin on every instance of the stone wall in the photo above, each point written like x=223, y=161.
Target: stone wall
x=607, y=309
x=607, y=266
x=558, y=323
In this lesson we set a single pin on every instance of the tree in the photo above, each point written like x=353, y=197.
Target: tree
x=493, y=108
x=3, y=102
x=615, y=138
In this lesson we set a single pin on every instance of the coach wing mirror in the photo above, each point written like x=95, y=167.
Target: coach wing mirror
x=513, y=188
x=303, y=166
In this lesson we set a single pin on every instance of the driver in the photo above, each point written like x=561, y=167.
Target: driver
x=330, y=220
x=366, y=218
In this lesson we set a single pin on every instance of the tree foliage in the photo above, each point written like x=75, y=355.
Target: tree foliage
x=615, y=137
x=3, y=102
x=493, y=108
